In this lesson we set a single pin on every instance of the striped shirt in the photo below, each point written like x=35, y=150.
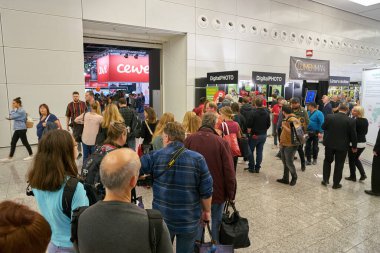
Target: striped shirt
x=178, y=192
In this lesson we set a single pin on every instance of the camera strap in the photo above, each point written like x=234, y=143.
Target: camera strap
x=172, y=161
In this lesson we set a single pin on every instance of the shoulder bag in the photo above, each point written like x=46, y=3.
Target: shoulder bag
x=232, y=140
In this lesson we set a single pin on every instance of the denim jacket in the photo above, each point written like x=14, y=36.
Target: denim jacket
x=19, y=117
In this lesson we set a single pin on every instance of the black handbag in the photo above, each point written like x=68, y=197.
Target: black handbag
x=202, y=247
x=244, y=147
x=234, y=229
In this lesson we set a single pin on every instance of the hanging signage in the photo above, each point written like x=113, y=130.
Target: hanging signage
x=268, y=78
x=309, y=69
x=210, y=92
x=309, y=53
x=222, y=77
x=339, y=81
x=117, y=68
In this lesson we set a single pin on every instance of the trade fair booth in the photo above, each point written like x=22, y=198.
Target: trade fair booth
x=309, y=75
x=269, y=83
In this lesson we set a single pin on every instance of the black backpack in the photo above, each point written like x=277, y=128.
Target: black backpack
x=135, y=126
x=90, y=170
x=155, y=227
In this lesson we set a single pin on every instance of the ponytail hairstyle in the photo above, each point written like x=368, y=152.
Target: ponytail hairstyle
x=18, y=101
x=115, y=130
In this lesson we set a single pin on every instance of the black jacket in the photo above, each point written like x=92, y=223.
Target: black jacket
x=258, y=121
x=377, y=144
x=361, y=129
x=340, y=131
x=245, y=110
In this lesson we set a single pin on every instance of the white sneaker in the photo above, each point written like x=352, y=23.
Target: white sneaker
x=28, y=158
x=6, y=160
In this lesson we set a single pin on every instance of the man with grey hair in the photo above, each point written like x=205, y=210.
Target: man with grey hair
x=218, y=157
x=182, y=186
x=339, y=134
x=115, y=224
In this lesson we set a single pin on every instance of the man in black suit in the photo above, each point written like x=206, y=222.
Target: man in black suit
x=375, y=178
x=339, y=133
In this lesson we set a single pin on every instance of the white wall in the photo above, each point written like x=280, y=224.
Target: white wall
x=43, y=43
x=43, y=51
x=217, y=49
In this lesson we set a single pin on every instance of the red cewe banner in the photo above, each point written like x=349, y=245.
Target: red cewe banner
x=117, y=68
x=102, y=69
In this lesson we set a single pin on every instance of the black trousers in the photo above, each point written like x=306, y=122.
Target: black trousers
x=312, y=147
x=301, y=153
x=330, y=155
x=20, y=134
x=354, y=162
x=375, y=177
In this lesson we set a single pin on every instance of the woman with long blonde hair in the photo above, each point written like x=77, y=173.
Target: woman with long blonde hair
x=111, y=114
x=186, y=119
x=195, y=123
x=157, y=138
x=361, y=132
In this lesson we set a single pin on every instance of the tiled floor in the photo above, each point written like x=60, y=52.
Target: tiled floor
x=305, y=218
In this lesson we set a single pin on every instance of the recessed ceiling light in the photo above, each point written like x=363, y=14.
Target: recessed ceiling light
x=366, y=2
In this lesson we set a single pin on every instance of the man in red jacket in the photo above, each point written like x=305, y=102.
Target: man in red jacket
x=217, y=154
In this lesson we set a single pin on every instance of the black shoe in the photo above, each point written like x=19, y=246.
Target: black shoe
x=324, y=183
x=369, y=192
x=295, y=158
x=303, y=167
x=251, y=171
x=79, y=156
x=283, y=181
x=293, y=181
x=350, y=179
x=337, y=186
x=308, y=163
x=362, y=178
x=314, y=161
x=257, y=171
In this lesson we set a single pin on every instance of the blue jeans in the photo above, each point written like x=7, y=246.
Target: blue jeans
x=55, y=249
x=185, y=242
x=258, y=144
x=87, y=151
x=216, y=220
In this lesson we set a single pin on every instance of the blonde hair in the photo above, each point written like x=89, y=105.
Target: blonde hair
x=194, y=124
x=111, y=113
x=186, y=119
x=226, y=111
x=360, y=110
x=96, y=107
x=165, y=118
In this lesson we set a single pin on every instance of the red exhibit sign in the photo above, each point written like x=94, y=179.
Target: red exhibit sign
x=92, y=84
x=117, y=68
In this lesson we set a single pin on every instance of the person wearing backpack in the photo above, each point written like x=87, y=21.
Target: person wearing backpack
x=48, y=121
x=18, y=115
x=131, y=121
x=303, y=117
x=54, y=166
x=288, y=147
x=120, y=225
x=116, y=138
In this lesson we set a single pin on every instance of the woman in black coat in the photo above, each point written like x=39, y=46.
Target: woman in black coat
x=361, y=131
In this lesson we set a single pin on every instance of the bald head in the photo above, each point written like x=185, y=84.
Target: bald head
x=118, y=168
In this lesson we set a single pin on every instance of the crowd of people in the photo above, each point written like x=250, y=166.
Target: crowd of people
x=190, y=168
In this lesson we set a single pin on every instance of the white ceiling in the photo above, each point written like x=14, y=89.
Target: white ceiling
x=372, y=11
